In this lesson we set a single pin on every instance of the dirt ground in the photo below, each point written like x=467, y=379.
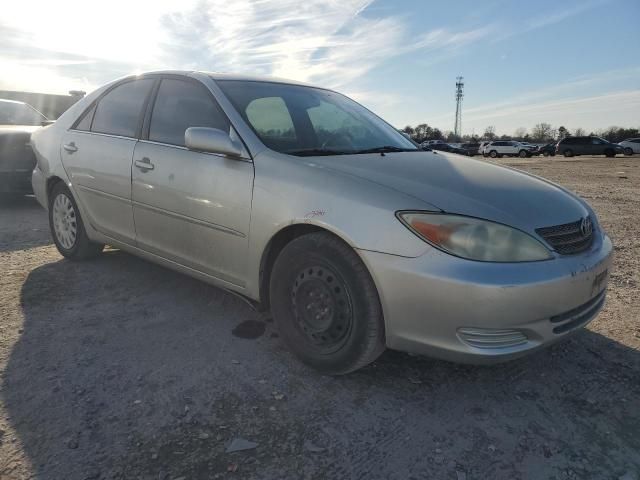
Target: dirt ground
x=117, y=368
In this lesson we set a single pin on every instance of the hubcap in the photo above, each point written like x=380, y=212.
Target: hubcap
x=64, y=221
x=322, y=307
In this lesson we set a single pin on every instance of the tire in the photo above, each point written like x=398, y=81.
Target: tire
x=493, y=154
x=523, y=154
x=67, y=228
x=628, y=151
x=609, y=153
x=326, y=305
x=568, y=153
x=546, y=153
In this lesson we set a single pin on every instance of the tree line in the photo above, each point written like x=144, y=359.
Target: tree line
x=540, y=133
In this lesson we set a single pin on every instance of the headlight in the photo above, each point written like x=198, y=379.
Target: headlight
x=475, y=239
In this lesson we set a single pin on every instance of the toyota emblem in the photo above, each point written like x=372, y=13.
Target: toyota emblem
x=586, y=227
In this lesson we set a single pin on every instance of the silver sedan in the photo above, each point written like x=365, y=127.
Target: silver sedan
x=307, y=203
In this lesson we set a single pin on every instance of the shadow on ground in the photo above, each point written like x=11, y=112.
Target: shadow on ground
x=32, y=229
x=127, y=370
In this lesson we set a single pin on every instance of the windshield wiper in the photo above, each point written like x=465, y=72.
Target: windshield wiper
x=386, y=149
x=313, y=152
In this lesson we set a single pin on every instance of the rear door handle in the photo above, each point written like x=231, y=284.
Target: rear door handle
x=145, y=164
x=70, y=147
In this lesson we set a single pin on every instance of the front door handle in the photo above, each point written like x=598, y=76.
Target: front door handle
x=70, y=147
x=145, y=164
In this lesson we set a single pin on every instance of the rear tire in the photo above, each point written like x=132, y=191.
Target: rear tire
x=67, y=228
x=326, y=305
x=568, y=153
x=493, y=154
x=545, y=153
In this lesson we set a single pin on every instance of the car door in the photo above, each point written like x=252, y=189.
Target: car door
x=598, y=146
x=191, y=207
x=97, y=153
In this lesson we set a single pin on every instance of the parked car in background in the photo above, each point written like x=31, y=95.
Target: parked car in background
x=630, y=146
x=17, y=121
x=279, y=191
x=508, y=148
x=471, y=148
x=445, y=147
x=429, y=143
x=481, y=148
x=590, y=145
x=547, y=150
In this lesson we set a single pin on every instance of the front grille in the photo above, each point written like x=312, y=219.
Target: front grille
x=491, y=338
x=567, y=238
x=578, y=316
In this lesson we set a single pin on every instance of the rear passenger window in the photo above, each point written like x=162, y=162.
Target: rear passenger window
x=180, y=105
x=118, y=112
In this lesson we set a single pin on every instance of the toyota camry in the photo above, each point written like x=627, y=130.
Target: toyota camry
x=310, y=205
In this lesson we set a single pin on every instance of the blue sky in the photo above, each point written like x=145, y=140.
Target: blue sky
x=571, y=63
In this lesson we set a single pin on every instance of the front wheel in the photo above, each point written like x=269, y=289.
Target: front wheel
x=523, y=153
x=493, y=154
x=326, y=305
x=628, y=151
x=546, y=153
x=67, y=228
x=609, y=153
x=568, y=153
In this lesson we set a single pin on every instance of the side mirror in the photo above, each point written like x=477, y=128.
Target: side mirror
x=211, y=140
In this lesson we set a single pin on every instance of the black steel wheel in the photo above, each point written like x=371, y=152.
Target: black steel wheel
x=326, y=305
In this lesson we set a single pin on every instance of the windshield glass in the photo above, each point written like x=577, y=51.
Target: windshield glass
x=14, y=113
x=307, y=121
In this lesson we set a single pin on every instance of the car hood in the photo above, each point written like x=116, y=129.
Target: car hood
x=457, y=184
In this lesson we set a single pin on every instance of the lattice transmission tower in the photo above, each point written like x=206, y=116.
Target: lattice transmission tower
x=459, y=95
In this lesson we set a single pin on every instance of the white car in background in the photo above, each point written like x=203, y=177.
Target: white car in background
x=509, y=148
x=482, y=147
x=630, y=145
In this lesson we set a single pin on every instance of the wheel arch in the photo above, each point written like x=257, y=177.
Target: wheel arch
x=275, y=245
x=51, y=182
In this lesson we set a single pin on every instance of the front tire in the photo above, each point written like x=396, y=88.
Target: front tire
x=628, y=151
x=326, y=305
x=546, y=153
x=67, y=228
x=568, y=153
x=609, y=153
x=523, y=153
x=493, y=154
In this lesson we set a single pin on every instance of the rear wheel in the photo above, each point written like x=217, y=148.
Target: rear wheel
x=493, y=154
x=628, y=151
x=67, y=228
x=326, y=305
x=546, y=153
x=568, y=153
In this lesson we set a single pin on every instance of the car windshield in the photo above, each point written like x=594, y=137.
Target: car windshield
x=307, y=121
x=16, y=113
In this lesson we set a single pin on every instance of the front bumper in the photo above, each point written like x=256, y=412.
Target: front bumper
x=475, y=312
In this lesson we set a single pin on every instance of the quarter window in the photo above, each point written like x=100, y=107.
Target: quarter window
x=85, y=123
x=180, y=105
x=118, y=112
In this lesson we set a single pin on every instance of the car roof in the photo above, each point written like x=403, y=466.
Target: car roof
x=5, y=100
x=227, y=76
